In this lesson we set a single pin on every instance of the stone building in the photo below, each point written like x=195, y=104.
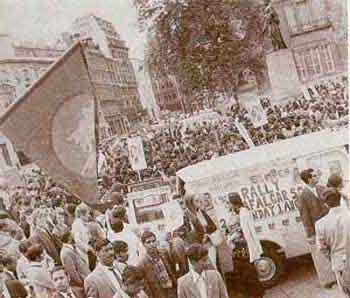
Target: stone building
x=312, y=30
x=166, y=92
x=112, y=72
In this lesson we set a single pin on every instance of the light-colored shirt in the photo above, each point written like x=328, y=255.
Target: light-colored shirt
x=200, y=281
x=115, y=278
x=135, y=247
x=81, y=235
x=66, y=295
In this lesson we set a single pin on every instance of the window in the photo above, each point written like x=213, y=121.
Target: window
x=314, y=62
x=6, y=155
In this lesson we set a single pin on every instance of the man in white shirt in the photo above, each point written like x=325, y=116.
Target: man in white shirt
x=81, y=232
x=200, y=282
x=333, y=234
x=120, y=233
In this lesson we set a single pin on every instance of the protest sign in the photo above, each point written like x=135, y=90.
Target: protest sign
x=136, y=154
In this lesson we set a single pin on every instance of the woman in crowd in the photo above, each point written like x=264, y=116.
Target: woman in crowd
x=246, y=249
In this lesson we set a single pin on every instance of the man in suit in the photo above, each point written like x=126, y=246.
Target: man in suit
x=61, y=282
x=200, y=282
x=333, y=234
x=312, y=208
x=76, y=268
x=105, y=281
x=310, y=205
x=156, y=269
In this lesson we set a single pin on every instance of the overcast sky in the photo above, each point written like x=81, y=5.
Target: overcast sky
x=44, y=20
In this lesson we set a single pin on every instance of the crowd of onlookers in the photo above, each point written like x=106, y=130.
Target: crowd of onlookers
x=169, y=149
x=53, y=246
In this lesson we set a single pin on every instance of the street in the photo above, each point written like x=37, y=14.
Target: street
x=300, y=281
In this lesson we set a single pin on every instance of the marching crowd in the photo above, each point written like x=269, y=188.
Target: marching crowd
x=167, y=150
x=54, y=247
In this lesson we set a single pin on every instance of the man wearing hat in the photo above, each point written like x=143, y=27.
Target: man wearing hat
x=333, y=235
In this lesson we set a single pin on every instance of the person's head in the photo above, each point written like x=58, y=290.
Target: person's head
x=119, y=212
x=149, y=241
x=60, y=279
x=83, y=212
x=105, y=252
x=309, y=177
x=198, y=257
x=24, y=246
x=192, y=202
x=121, y=251
x=67, y=237
x=331, y=197
x=117, y=225
x=133, y=280
x=34, y=253
x=335, y=181
x=235, y=201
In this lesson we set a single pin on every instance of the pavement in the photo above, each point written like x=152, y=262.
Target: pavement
x=301, y=281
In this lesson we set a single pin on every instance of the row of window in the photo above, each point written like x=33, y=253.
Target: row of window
x=314, y=62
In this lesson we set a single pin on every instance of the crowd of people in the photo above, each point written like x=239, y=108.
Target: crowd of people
x=52, y=246
x=169, y=149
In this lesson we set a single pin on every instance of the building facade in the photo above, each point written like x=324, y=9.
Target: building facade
x=166, y=92
x=112, y=72
x=312, y=32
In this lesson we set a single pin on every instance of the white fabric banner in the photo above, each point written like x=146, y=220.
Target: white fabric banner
x=136, y=154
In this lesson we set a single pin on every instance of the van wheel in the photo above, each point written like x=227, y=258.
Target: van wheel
x=270, y=266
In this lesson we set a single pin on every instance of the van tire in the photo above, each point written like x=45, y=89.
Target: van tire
x=273, y=261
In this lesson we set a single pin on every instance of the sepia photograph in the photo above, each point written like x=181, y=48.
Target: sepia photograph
x=174, y=149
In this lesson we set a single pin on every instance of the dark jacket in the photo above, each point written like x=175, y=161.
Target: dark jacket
x=311, y=208
x=152, y=284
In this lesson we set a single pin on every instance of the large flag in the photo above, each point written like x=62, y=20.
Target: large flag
x=54, y=122
x=136, y=154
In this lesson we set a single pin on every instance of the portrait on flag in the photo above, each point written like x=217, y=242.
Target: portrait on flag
x=53, y=124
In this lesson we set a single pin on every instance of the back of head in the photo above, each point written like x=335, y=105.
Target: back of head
x=335, y=181
x=119, y=246
x=331, y=197
x=196, y=252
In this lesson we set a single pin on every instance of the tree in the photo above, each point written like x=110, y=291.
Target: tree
x=206, y=44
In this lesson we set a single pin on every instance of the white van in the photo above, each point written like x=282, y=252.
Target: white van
x=267, y=178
